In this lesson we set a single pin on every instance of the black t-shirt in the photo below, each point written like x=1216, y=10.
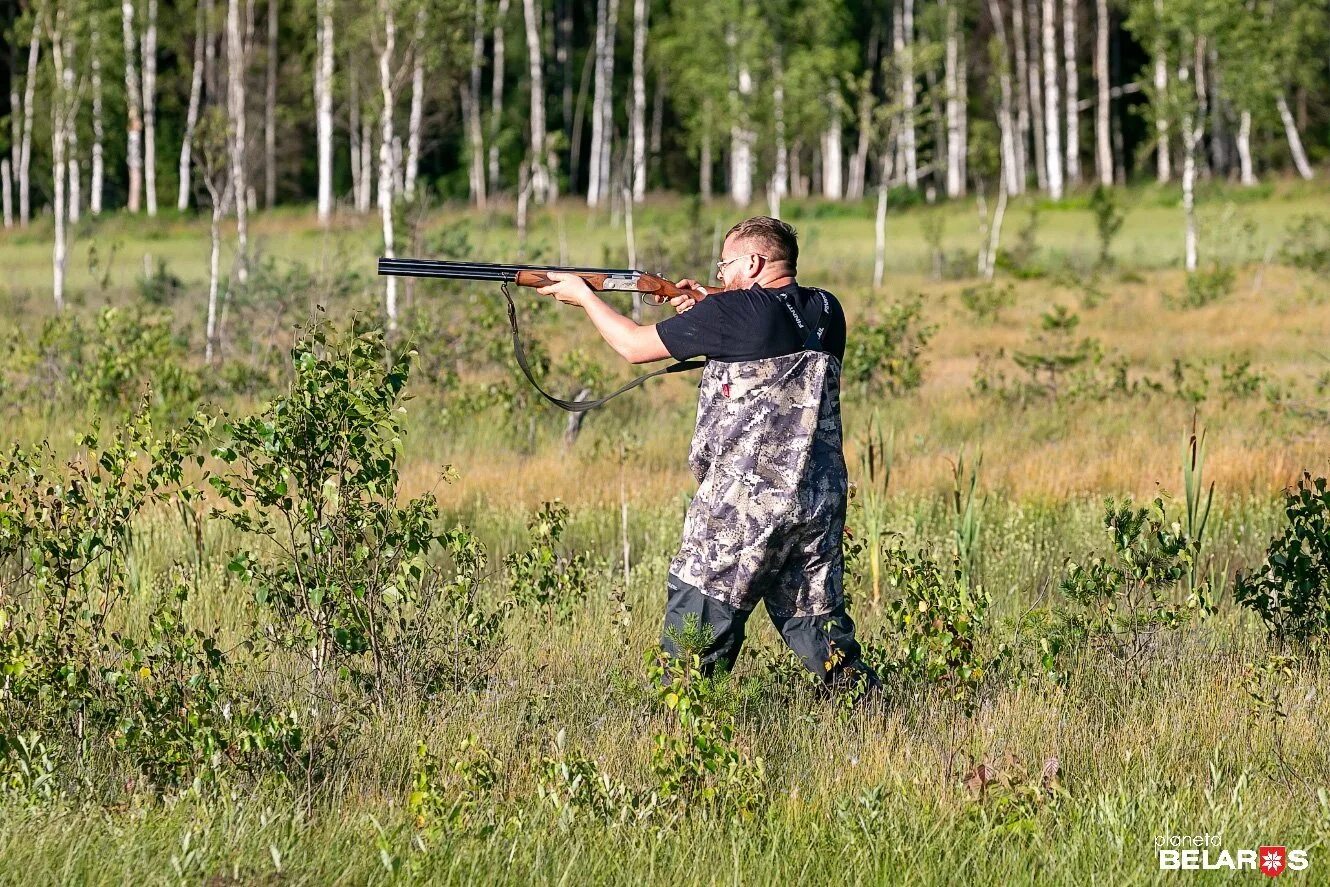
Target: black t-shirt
x=752, y=324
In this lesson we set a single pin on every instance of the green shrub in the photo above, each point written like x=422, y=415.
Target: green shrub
x=885, y=356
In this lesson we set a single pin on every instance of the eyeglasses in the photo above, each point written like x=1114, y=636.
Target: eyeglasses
x=720, y=266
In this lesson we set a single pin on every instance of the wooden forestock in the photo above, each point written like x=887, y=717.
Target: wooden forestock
x=658, y=289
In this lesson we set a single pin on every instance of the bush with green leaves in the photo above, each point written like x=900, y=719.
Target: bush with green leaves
x=885, y=354
x=701, y=771
x=574, y=787
x=1143, y=586
x=1290, y=590
x=343, y=578
x=1308, y=245
x=1108, y=217
x=936, y=628
x=542, y=576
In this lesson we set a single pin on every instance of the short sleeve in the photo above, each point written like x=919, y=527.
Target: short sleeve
x=699, y=331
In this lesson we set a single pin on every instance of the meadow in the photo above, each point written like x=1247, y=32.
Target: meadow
x=377, y=614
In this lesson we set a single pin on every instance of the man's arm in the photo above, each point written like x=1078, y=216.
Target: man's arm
x=634, y=343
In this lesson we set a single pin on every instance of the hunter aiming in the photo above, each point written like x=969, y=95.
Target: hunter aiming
x=769, y=513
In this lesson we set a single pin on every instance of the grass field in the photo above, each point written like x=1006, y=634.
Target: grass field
x=1028, y=735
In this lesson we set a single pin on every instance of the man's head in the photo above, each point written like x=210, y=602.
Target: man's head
x=758, y=251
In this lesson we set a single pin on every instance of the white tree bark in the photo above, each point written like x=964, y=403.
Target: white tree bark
x=475, y=134
x=741, y=144
x=880, y=231
x=134, y=107
x=149, y=95
x=903, y=41
x=1072, y=75
x=417, y=107
x=7, y=191
x=1163, y=156
x=704, y=161
x=1022, y=138
x=191, y=116
x=323, y=107
x=235, y=100
x=859, y=162
x=832, y=149
x=598, y=178
x=1052, y=129
x=1193, y=125
x=951, y=64
x=270, y=112
x=1034, y=77
x=1294, y=139
x=639, y=128
x=496, y=93
x=386, y=165
x=73, y=99
x=1248, y=176
x=214, y=261
x=780, y=176
x=98, y=127
x=62, y=114
x=1102, y=130
x=24, y=144
x=540, y=182
x=1006, y=127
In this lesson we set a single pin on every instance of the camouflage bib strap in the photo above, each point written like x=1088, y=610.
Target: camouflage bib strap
x=581, y=406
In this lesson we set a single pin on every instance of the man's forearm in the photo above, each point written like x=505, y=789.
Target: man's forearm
x=634, y=343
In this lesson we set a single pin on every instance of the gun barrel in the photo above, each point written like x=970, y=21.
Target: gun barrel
x=476, y=270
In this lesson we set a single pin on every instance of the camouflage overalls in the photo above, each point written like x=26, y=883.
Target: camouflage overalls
x=769, y=513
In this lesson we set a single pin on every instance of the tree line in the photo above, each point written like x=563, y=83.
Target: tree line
x=364, y=104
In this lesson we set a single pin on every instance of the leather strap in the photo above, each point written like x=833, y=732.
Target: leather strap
x=581, y=406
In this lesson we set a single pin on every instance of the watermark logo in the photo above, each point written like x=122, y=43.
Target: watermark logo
x=1206, y=853
x=1273, y=860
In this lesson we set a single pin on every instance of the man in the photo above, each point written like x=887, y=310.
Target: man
x=767, y=520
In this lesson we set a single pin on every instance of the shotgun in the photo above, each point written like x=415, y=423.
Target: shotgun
x=622, y=280
x=626, y=280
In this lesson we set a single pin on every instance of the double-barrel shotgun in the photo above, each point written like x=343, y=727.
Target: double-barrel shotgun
x=658, y=289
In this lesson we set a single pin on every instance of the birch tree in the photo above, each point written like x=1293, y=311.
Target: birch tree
x=210, y=158
x=414, y=121
x=1299, y=153
x=540, y=174
x=192, y=113
x=1069, y=11
x=602, y=117
x=22, y=143
x=64, y=105
x=1007, y=132
x=270, y=111
x=387, y=46
x=903, y=43
x=638, y=122
x=471, y=108
x=1163, y=155
x=951, y=77
x=97, y=185
x=235, y=102
x=323, y=106
x=496, y=92
x=148, y=46
x=1052, y=134
x=1102, y=130
x=134, y=106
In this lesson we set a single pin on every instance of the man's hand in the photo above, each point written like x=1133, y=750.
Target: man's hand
x=567, y=288
x=683, y=302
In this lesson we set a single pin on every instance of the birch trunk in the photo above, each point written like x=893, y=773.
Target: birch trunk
x=191, y=116
x=353, y=136
x=496, y=93
x=1006, y=129
x=323, y=92
x=1248, y=177
x=741, y=145
x=1294, y=139
x=1021, y=141
x=1036, y=87
x=270, y=112
x=134, y=107
x=1163, y=157
x=595, y=180
x=150, y=108
x=417, y=107
x=25, y=143
x=995, y=234
x=98, y=130
x=7, y=191
x=880, y=232
x=217, y=196
x=62, y=107
x=955, y=181
x=905, y=52
x=540, y=184
x=1193, y=126
x=235, y=99
x=386, y=138
x=780, y=176
x=1052, y=131
x=1072, y=76
x=859, y=163
x=832, y=153
x=476, y=167
x=639, y=114
x=1103, y=105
